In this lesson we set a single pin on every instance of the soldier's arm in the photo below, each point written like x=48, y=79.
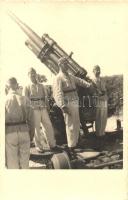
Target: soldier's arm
x=81, y=82
x=30, y=119
x=6, y=112
x=46, y=98
x=26, y=92
x=58, y=93
x=104, y=88
x=99, y=91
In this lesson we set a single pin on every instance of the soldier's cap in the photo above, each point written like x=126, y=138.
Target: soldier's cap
x=96, y=67
x=62, y=60
x=12, y=81
x=31, y=70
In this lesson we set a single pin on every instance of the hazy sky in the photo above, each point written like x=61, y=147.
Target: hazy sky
x=96, y=33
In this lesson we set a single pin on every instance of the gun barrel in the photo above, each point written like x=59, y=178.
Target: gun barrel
x=34, y=48
x=46, y=49
x=29, y=32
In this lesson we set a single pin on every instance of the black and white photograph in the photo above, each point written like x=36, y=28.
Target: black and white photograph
x=63, y=67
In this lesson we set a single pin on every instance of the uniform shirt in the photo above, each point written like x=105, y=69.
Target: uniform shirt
x=64, y=88
x=101, y=86
x=17, y=109
x=37, y=95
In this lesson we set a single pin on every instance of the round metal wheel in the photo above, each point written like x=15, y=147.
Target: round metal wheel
x=61, y=161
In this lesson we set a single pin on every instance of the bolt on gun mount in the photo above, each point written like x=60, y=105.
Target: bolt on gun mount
x=46, y=49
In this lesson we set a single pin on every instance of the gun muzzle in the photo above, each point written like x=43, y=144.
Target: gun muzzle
x=27, y=30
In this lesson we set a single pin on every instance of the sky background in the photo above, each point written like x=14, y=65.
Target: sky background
x=96, y=33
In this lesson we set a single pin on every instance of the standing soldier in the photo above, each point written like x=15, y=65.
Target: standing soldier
x=18, y=129
x=36, y=93
x=66, y=97
x=101, y=102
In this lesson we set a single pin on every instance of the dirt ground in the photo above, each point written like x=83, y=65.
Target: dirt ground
x=112, y=141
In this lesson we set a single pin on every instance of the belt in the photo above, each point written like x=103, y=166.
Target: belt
x=14, y=123
x=36, y=99
x=70, y=90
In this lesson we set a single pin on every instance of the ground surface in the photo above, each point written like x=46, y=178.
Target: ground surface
x=112, y=141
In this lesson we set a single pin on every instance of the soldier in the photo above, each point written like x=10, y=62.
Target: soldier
x=66, y=97
x=85, y=100
x=101, y=102
x=37, y=94
x=18, y=129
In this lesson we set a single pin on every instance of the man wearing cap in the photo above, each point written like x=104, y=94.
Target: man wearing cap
x=101, y=102
x=66, y=97
x=18, y=129
x=37, y=94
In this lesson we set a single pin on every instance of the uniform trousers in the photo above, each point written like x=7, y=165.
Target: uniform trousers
x=17, y=150
x=101, y=117
x=72, y=122
x=41, y=118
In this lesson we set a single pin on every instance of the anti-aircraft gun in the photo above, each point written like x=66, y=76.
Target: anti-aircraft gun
x=49, y=52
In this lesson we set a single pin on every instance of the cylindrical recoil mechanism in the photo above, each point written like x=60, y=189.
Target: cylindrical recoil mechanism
x=56, y=49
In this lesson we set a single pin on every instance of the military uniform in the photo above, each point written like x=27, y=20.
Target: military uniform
x=65, y=95
x=101, y=106
x=18, y=129
x=37, y=94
